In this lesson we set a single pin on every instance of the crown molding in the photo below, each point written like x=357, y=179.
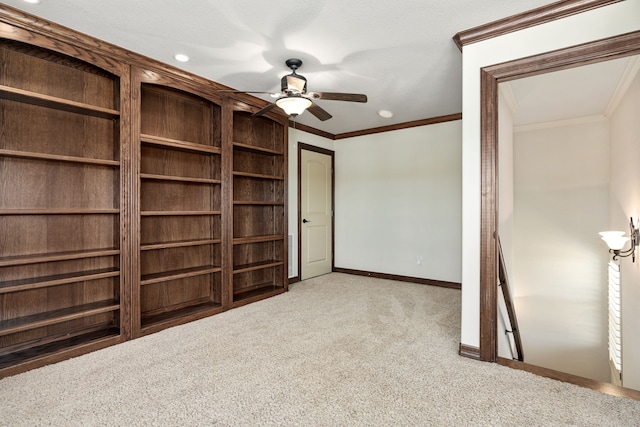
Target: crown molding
x=311, y=130
x=628, y=75
x=561, y=123
x=540, y=15
x=399, y=126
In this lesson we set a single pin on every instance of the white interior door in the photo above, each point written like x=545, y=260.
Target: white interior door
x=317, y=212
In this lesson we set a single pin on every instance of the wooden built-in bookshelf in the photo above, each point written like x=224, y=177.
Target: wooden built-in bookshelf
x=61, y=209
x=135, y=196
x=180, y=207
x=259, y=215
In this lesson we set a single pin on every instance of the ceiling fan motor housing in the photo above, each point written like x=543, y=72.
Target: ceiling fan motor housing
x=293, y=83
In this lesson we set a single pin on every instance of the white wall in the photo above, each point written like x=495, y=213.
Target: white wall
x=506, y=108
x=296, y=136
x=398, y=197
x=608, y=21
x=561, y=185
x=625, y=203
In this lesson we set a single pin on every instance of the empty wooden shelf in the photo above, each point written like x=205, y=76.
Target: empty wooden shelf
x=62, y=290
x=259, y=208
x=180, y=260
x=135, y=196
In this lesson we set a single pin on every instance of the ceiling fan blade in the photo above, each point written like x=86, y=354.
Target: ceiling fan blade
x=334, y=96
x=249, y=91
x=265, y=110
x=320, y=113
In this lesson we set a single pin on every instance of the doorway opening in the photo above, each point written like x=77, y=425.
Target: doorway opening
x=602, y=50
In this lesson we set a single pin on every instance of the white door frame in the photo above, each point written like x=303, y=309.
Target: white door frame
x=303, y=146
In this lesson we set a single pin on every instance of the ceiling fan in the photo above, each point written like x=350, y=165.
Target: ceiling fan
x=294, y=98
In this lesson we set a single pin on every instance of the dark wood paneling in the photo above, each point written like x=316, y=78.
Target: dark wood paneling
x=61, y=201
x=121, y=223
x=180, y=205
x=258, y=201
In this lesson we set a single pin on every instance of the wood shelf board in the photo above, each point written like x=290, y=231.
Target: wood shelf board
x=179, y=178
x=255, y=149
x=70, y=211
x=56, y=256
x=166, y=276
x=42, y=100
x=256, y=266
x=56, y=280
x=181, y=315
x=179, y=213
x=258, y=176
x=57, y=157
x=178, y=144
x=257, y=203
x=56, y=316
x=179, y=244
x=53, y=346
x=256, y=293
x=258, y=239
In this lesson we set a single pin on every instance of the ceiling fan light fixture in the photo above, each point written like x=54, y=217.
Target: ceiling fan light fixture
x=293, y=105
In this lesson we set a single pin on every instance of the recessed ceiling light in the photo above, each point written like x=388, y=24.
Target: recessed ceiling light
x=181, y=57
x=32, y=1
x=385, y=113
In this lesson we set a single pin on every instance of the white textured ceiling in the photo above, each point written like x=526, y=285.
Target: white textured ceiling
x=578, y=92
x=400, y=53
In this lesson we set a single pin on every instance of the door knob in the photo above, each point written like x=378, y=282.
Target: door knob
x=304, y=221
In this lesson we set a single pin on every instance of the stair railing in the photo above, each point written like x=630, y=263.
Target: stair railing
x=503, y=284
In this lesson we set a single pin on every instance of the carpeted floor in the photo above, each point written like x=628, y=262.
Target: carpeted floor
x=336, y=350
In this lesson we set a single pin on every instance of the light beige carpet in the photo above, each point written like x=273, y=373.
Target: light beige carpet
x=336, y=350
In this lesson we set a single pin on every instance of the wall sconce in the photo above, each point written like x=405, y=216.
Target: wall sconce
x=616, y=241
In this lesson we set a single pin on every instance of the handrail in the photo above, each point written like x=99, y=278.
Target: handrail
x=503, y=283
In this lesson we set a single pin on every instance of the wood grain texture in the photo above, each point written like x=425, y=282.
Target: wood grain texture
x=400, y=126
x=541, y=15
x=126, y=198
x=602, y=387
x=61, y=254
x=489, y=220
x=259, y=197
x=180, y=176
x=469, y=351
